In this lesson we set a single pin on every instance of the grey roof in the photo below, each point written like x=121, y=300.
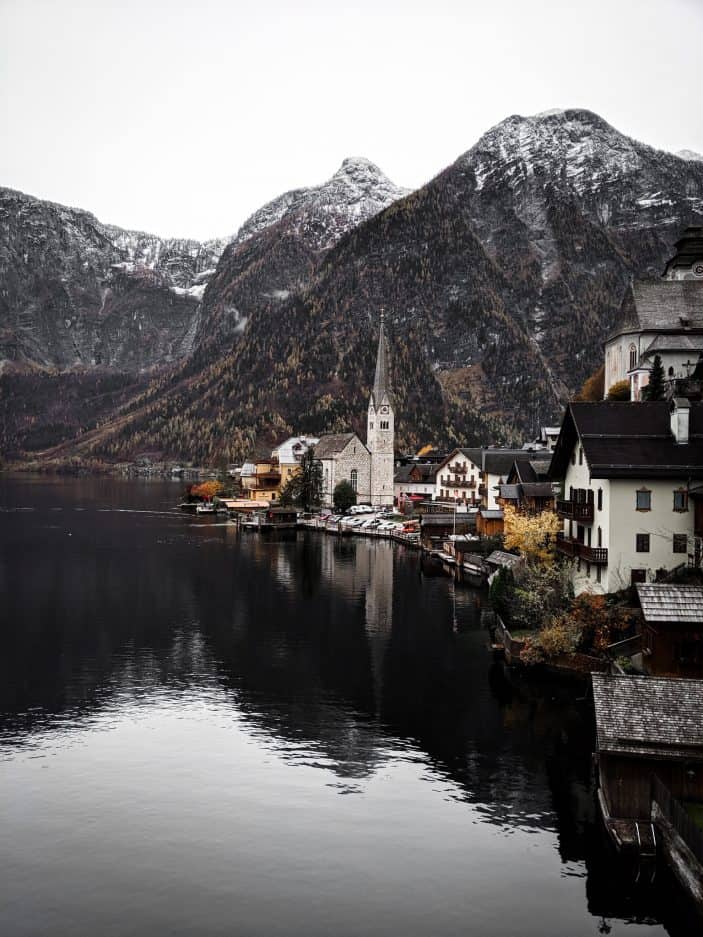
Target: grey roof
x=678, y=342
x=630, y=440
x=500, y=461
x=473, y=454
x=381, y=384
x=501, y=558
x=446, y=519
x=658, y=716
x=509, y=492
x=537, y=489
x=665, y=602
x=333, y=444
x=491, y=514
x=661, y=305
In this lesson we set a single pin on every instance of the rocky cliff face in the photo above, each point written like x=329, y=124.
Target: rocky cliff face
x=75, y=293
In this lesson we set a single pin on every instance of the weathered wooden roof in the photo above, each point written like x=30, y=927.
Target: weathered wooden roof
x=661, y=305
x=662, y=601
x=657, y=716
x=501, y=558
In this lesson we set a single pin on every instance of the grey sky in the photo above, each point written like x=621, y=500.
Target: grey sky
x=183, y=117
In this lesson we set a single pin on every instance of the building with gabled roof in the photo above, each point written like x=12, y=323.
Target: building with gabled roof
x=672, y=628
x=660, y=317
x=628, y=503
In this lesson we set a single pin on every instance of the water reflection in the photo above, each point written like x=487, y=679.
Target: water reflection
x=294, y=667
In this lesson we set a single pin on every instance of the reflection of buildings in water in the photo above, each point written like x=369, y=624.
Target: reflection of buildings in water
x=378, y=557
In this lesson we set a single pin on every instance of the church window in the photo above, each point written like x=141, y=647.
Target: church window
x=371, y=425
x=671, y=372
x=600, y=499
x=354, y=479
x=580, y=456
x=633, y=357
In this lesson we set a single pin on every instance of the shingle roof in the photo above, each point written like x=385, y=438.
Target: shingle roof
x=679, y=342
x=474, y=455
x=500, y=461
x=381, y=386
x=662, y=601
x=501, y=558
x=661, y=305
x=658, y=716
x=509, y=492
x=332, y=444
x=537, y=489
x=630, y=440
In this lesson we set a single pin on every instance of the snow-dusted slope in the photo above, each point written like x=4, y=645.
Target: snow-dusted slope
x=691, y=155
x=576, y=150
x=322, y=214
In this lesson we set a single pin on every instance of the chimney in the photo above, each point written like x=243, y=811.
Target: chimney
x=680, y=410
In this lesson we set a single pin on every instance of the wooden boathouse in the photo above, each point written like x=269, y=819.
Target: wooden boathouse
x=650, y=769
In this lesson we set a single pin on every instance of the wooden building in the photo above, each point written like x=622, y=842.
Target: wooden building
x=672, y=630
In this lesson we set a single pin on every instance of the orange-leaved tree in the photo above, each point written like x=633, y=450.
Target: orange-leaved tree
x=207, y=490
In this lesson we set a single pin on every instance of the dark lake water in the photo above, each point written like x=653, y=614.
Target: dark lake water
x=207, y=732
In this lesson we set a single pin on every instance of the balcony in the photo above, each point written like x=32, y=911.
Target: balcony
x=574, y=548
x=576, y=510
x=446, y=482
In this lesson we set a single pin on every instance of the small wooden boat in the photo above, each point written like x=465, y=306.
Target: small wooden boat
x=206, y=507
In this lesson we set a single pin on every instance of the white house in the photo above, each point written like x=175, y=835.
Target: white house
x=629, y=472
x=458, y=477
x=415, y=479
x=660, y=317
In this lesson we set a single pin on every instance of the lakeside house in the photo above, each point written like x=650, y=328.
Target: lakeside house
x=628, y=508
x=672, y=629
x=414, y=481
x=528, y=488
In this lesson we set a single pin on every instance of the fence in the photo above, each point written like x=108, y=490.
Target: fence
x=678, y=817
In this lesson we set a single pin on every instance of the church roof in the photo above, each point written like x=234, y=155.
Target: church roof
x=381, y=385
x=331, y=445
x=661, y=305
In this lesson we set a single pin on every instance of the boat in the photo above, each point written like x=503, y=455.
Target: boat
x=205, y=507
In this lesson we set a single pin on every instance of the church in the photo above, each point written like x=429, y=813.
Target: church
x=368, y=468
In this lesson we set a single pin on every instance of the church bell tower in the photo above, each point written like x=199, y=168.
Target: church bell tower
x=380, y=428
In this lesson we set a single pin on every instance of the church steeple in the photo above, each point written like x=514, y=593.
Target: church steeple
x=380, y=435
x=381, y=388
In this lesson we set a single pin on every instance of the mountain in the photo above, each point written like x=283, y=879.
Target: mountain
x=276, y=249
x=77, y=293
x=500, y=279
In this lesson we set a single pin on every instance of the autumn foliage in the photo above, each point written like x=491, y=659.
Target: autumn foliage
x=532, y=535
x=207, y=490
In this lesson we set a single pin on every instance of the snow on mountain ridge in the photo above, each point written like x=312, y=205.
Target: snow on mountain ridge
x=690, y=155
x=322, y=214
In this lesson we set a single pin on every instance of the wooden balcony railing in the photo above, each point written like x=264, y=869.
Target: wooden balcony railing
x=575, y=511
x=570, y=547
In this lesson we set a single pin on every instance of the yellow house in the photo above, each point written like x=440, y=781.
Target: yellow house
x=261, y=480
x=289, y=454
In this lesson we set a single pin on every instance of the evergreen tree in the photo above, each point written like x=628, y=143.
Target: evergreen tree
x=344, y=496
x=304, y=489
x=655, y=389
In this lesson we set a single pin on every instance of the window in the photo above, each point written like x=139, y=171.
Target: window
x=354, y=479
x=600, y=537
x=598, y=573
x=633, y=357
x=671, y=372
x=573, y=457
x=681, y=500
x=642, y=543
x=600, y=499
x=383, y=424
x=680, y=543
x=371, y=425
x=643, y=500
x=580, y=456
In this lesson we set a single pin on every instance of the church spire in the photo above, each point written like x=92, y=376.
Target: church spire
x=381, y=384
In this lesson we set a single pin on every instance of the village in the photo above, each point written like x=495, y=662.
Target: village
x=588, y=537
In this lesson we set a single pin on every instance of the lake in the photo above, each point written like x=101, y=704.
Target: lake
x=204, y=732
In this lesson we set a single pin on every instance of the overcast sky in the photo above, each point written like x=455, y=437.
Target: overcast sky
x=182, y=117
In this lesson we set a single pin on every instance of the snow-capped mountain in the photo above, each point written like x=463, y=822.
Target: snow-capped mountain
x=276, y=249
x=322, y=214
